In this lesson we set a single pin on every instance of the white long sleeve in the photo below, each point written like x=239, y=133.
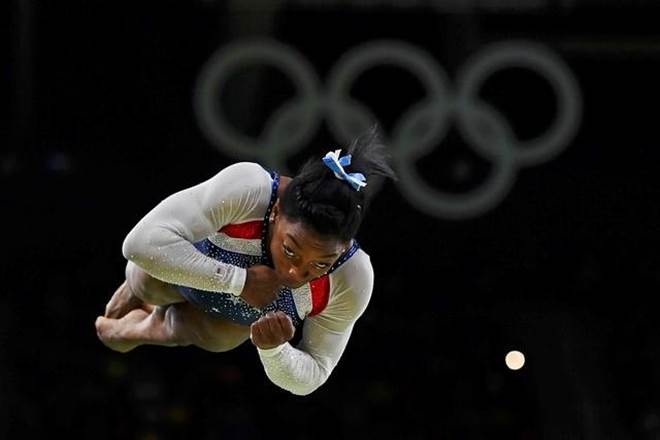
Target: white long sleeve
x=303, y=369
x=162, y=241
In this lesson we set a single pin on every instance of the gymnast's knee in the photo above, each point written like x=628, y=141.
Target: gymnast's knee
x=223, y=336
x=220, y=345
x=147, y=288
x=182, y=330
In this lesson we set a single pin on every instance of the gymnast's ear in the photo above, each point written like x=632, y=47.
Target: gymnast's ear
x=275, y=212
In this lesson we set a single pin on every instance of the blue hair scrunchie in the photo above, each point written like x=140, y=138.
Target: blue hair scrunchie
x=337, y=164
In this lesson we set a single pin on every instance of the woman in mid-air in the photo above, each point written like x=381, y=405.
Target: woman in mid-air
x=252, y=254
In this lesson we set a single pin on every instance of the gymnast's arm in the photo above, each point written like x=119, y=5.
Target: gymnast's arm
x=303, y=369
x=162, y=241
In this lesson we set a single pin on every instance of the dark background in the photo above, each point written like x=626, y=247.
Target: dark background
x=564, y=268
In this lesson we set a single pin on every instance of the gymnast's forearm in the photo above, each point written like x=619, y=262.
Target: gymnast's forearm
x=294, y=370
x=170, y=258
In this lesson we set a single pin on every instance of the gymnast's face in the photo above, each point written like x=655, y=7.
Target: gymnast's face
x=298, y=252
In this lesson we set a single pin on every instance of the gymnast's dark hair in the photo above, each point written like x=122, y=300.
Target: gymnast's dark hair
x=329, y=205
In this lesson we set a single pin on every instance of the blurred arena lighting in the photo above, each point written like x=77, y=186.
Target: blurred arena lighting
x=514, y=360
x=59, y=162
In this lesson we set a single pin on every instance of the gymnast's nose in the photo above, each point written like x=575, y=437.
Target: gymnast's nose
x=295, y=277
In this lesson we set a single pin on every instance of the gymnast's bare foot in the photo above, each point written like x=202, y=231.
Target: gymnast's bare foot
x=120, y=334
x=122, y=302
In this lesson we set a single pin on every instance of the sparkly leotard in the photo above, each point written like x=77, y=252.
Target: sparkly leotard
x=202, y=238
x=244, y=245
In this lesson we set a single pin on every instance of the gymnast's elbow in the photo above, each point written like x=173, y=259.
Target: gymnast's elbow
x=303, y=389
x=300, y=387
x=135, y=248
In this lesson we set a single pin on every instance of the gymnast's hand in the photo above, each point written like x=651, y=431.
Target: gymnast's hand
x=271, y=330
x=262, y=285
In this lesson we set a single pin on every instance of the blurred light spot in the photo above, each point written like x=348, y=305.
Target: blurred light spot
x=8, y=164
x=147, y=391
x=380, y=392
x=149, y=435
x=178, y=414
x=651, y=422
x=116, y=369
x=229, y=374
x=59, y=163
x=514, y=360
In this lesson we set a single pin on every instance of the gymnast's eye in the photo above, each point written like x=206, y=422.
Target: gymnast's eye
x=288, y=252
x=321, y=265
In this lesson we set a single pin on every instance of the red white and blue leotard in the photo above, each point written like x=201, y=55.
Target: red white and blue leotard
x=202, y=238
x=244, y=245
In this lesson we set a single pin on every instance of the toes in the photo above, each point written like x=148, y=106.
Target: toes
x=105, y=330
x=102, y=325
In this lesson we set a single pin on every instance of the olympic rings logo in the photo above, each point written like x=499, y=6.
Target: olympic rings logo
x=417, y=132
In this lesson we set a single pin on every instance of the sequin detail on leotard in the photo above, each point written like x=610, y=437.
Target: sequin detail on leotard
x=231, y=246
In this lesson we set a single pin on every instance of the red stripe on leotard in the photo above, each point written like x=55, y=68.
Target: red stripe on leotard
x=320, y=294
x=248, y=230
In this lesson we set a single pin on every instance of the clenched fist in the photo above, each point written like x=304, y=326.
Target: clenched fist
x=262, y=285
x=271, y=330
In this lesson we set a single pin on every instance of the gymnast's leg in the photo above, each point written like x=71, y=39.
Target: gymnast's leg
x=138, y=290
x=179, y=324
